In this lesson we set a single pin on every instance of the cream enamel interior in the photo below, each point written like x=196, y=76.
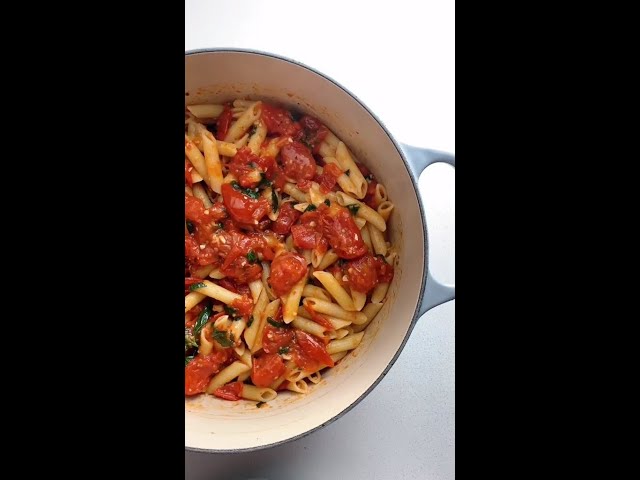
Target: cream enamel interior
x=213, y=424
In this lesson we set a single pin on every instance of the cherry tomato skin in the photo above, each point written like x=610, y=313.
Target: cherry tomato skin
x=342, y=233
x=362, y=273
x=244, y=305
x=223, y=123
x=236, y=264
x=279, y=121
x=274, y=338
x=287, y=269
x=243, y=209
x=311, y=352
x=329, y=177
x=199, y=371
x=298, y=162
x=266, y=369
x=286, y=218
x=232, y=286
x=230, y=391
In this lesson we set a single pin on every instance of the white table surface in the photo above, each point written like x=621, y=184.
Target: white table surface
x=399, y=58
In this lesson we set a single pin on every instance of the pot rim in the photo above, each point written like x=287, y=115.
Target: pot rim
x=414, y=184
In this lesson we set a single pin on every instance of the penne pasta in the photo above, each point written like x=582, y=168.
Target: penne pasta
x=257, y=394
x=364, y=211
x=226, y=375
x=290, y=309
x=240, y=127
x=347, y=343
x=250, y=236
x=334, y=310
x=348, y=165
x=215, y=291
x=206, y=111
x=335, y=290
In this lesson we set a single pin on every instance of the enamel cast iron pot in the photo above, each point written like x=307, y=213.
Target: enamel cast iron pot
x=216, y=76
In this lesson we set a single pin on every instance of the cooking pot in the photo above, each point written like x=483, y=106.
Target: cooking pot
x=219, y=75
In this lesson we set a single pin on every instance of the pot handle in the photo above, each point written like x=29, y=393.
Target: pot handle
x=435, y=293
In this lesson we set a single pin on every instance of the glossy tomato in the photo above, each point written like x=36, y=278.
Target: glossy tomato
x=199, y=371
x=342, y=232
x=223, y=123
x=311, y=353
x=298, y=162
x=230, y=391
x=287, y=217
x=329, y=177
x=274, y=338
x=244, y=209
x=279, y=121
x=287, y=269
x=266, y=369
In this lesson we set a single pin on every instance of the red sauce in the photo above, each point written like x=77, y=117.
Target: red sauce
x=223, y=123
x=286, y=218
x=267, y=368
x=366, y=272
x=311, y=353
x=199, y=371
x=244, y=209
x=329, y=177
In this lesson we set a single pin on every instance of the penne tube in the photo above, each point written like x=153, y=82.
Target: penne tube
x=270, y=311
x=359, y=299
x=242, y=142
x=258, y=137
x=364, y=211
x=206, y=111
x=216, y=274
x=213, y=176
x=202, y=272
x=206, y=346
x=216, y=291
x=240, y=349
x=370, y=310
x=266, y=272
x=243, y=377
x=328, y=146
x=246, y=358
x=335, y=290
x=328, y=308
x=255, y=287
x=299, y=387
x=306, y=254
x=384, y=209
x=366, y=237
x=377, y=241
x=380, y=194
x=199, y=192
x=315, y=292
x=309, y=326
x=192, y=299
x=195, y=176
x=338, y=356
x=379, y=292
x=348, y=165
x=337, y=334
x=244, y=104
x=239, y=128
x=316, y=257
x=315, y=377
x=360, y=222
x=226, y=375
x=337, y=323
x=195, y=157
x=293, y=191
x=290, y=308
x=343, y=180
x=257, y=394
x=252, y=330
x=329, y=259
x=294, y=375
x=347, y=343
x=226, y=149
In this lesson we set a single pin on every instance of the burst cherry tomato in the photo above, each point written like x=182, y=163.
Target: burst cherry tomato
x=199, y=371
x=298, y=162
x=279, y=121
x=286, y=270
x=244, y=209
x=223, y=123
x=266, y=369
x=310, y=354
x=287, y=217
x=231, y=391
x=342, y=232
x=273, y=338
x=328, y=178
x=366, y=272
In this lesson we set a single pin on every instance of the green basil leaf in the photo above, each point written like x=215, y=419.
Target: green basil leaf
x=203, y=319
x=196, y=286
x=188, y=359
x=310, y=208
x=276, y=324
x=353, y=209
x=222, y=338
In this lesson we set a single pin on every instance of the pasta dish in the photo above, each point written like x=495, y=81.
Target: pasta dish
x=287, y=258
